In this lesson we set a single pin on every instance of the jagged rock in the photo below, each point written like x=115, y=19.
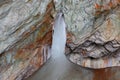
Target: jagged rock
x=93, y=34
x=93, y=31
x=25, y=37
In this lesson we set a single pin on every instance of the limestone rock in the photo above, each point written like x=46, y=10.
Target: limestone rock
x=25, y=37
x=93, y=32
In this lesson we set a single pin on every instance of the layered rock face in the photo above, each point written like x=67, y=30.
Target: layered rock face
x=93, y=32
x=25, y=37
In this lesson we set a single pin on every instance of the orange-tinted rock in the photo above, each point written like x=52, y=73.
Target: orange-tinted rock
x=95, y=29
x=31, y=50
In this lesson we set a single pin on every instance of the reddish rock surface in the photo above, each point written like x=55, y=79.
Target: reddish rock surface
x=93, y=35
x=94, y=39
x=28, y=54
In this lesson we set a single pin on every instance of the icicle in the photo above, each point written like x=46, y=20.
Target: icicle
x=59, y=35
x=44, y=53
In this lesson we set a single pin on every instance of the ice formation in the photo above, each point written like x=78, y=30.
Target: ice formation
x=59, y=35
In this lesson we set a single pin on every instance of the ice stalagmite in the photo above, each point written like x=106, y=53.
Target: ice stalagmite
x=59, y=35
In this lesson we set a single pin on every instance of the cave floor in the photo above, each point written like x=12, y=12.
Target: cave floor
x=59, y=68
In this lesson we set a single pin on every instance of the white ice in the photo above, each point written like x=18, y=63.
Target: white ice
x=59, y=36
x=58, y=67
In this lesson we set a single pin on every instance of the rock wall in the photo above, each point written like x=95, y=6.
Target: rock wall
x=25, y=37
x=93, y=31
x=93, y=34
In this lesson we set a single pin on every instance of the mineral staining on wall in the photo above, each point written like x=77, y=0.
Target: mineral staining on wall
x=25, y=37
x=93, y=32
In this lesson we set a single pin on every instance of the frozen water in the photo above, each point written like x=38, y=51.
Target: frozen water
x=58, y=67
x=59, y=35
